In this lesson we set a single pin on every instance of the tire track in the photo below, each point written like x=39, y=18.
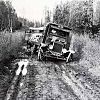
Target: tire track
x=84, y=90
x=48, y=84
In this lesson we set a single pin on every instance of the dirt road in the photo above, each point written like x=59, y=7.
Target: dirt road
x=57, y=81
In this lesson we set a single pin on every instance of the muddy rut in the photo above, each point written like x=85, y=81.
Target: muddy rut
x=57, y=81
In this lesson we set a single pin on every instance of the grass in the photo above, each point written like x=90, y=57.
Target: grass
x=87, y=53
x=10, y=44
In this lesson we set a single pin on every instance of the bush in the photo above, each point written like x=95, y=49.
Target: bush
x=91, y=57
x=87, y=53
x=78, y=43
x=10, y=44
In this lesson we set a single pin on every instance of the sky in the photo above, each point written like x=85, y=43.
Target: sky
x=34, y=9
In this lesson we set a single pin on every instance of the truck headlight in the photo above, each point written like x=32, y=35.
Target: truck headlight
x=64, y=50
x=51, y=47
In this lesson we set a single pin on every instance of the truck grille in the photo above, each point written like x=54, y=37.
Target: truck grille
x=57, y=47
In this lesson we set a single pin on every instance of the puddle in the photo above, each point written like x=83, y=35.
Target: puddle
x=23, y=62
x=21, y=84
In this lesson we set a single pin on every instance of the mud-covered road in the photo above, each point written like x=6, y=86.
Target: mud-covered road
x=52, y=80
x=57, y=81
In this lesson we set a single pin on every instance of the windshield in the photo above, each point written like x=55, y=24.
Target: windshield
x=59, y=33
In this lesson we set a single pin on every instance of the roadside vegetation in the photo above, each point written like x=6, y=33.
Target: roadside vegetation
x=10, y=45
x=87, y=53
x=10, y=42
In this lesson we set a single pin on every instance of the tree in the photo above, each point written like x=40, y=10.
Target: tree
x=75, y=14
x=66, y=13
x=57, y=16
x=96, y=13
x=8, y=16
x=47, y=16
x=3, y=15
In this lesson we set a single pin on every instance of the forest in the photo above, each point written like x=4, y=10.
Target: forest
x=80, y=15
x=8, y=16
